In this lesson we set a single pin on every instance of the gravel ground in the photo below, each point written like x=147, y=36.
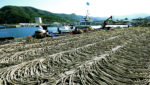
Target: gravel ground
x=114, y=57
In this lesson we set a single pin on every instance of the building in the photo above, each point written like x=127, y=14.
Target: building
x=137, y=20
x=27, y=25
x=38, y=20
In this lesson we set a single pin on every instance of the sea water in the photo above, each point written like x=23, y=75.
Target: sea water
x=27, y=31
x=18, y=32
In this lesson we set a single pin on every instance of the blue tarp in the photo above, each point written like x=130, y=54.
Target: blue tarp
x=52, y=35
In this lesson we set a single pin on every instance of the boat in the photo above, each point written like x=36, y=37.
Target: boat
x=6, y=38
x=87, y=22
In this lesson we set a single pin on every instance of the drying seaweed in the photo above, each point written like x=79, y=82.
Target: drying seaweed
x=114, y=57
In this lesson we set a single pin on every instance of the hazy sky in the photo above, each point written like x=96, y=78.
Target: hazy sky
x=97, y=7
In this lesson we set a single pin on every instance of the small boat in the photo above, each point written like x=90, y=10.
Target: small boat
x=41, y=33
x=6, y=38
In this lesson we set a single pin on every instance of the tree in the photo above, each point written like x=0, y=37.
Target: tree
x=126, y=18
x=15, y=14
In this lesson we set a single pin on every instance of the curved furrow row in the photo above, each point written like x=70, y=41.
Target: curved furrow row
x=60, y=61
x=26, y=46
x=109, y=70
x=86, y=71
x=46, y=50
x=18, y=46
x=89, y=62
x=36, y=50
x=57, y=63
x=41, y=41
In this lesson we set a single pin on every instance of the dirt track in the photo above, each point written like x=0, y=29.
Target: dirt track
x=115, y=57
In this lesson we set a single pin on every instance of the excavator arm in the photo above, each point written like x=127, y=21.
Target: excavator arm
x=105, y=22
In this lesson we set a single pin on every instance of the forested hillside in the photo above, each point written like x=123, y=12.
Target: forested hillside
x=15, y=14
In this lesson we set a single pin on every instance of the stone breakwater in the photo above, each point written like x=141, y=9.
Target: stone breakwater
x=115, y=57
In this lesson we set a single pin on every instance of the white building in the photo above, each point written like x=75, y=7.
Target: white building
x=38, y=20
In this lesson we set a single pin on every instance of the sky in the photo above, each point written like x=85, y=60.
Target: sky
x=97, y=8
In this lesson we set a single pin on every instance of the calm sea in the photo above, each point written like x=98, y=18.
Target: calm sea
x=18, y=32
x=25, y=31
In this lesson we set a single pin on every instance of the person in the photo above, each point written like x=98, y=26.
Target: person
x=104, y=24
x=71, y=26
x=75, y=29
x=59, y=31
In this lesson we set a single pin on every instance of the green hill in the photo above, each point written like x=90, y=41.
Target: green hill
x=17, y=14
